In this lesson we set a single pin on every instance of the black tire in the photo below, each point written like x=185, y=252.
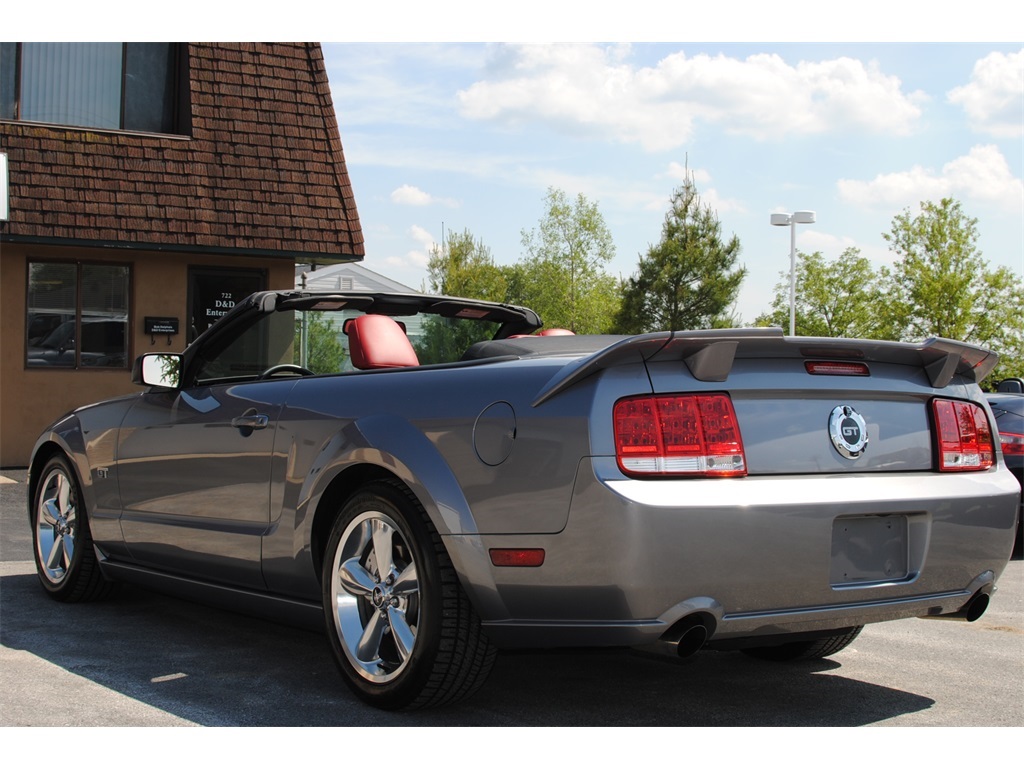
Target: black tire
x=407, y=638
x=803, y=650
x=65, y=558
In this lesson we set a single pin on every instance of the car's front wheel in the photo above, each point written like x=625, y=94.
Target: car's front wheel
x=401, y=627
x=65, y=558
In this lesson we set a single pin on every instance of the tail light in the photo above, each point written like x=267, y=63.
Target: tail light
x=1013, y=445
x=669, y=435
x=964, y=436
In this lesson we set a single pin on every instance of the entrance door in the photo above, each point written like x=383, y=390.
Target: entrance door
x=212, y=292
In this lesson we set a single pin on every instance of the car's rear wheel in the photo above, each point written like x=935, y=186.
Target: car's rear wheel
x=65, y=558
x=806, y=649
x=401, y=627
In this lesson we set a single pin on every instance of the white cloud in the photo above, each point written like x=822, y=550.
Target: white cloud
x=832, y=246
x=409, y=267
x=594, y=90
x=994, y=99
x=409, y=195
x=982, y=175
x=370, y=83
x=420, y=256
x=422, y=236
x=678, y=171
x=709, y=196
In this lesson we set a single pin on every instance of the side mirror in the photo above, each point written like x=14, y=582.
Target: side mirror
x=157, y=370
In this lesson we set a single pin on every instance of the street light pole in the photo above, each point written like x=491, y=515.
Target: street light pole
x=791, y=220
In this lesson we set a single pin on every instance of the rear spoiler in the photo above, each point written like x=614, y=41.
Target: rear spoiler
x=709, y=355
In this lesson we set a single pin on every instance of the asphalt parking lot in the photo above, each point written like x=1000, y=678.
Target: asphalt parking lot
x=143, y=659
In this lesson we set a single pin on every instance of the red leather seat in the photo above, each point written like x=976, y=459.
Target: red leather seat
x=377, y=341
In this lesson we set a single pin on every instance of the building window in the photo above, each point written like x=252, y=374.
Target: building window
x=119, y=86
x=77, y=315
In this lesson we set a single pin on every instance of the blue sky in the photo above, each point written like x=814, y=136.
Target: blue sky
x=446, y=137
x=453, y=136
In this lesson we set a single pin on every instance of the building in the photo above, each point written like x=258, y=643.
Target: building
x=149, y=187
x=347, y=277
x=354, y=277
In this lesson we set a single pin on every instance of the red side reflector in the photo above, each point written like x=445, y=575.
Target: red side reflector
x=678, y=435
x=832, y=368
x=520, y=558
x=964, y=436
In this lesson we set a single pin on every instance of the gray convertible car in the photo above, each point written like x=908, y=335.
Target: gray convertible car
x=432, y=479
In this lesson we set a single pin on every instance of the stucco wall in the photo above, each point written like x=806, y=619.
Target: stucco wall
x=31, y=398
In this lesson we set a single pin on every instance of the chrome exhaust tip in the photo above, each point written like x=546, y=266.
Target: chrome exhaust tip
x=689, y=634
x=972, y=610
x=691, y=641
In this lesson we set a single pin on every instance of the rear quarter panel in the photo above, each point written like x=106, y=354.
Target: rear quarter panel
x=466, y=440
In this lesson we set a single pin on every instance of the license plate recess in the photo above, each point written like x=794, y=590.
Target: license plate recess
x=868, y=549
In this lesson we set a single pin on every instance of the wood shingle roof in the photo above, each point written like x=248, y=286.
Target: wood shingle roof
x=262, y=171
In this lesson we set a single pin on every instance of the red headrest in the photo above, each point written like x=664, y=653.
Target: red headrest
x=377, y=341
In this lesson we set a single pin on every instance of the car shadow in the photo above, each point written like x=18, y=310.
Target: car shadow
x=214, y=668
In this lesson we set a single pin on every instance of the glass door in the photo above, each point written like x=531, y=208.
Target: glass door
x=213, y=292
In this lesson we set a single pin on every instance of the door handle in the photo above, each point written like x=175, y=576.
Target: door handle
x=251, y=421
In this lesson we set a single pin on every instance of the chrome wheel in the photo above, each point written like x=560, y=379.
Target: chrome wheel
x=375, y=595
x=66, y=559
x=56, y=525
x=400, y=626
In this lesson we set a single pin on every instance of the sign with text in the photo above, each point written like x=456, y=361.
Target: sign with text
x=167, y=325
x=215, y=292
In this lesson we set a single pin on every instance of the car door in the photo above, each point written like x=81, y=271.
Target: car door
x=194, y=472
x=194, y=463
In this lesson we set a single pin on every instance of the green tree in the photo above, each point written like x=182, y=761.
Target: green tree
x=463, y=267
x=317, y=343
x=940, y=285
x=690, y=278
x=840, y=298
x=562, y=277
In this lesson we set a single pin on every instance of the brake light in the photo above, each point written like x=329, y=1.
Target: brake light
x=692, y=435
x=832, y=368
x=964, y=436
x=1013, y=444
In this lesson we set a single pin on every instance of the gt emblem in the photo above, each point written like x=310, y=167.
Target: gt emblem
x=848, y=431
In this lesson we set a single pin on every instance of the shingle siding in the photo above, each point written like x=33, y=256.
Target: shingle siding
x=263, y=169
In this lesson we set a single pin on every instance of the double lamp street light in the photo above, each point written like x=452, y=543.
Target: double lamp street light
x=791, y=220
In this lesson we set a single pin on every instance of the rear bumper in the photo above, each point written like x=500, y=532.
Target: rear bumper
x=512, y=633
x=752, y=556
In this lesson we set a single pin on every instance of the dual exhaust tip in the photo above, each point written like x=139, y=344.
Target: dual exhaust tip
x=692, y=632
